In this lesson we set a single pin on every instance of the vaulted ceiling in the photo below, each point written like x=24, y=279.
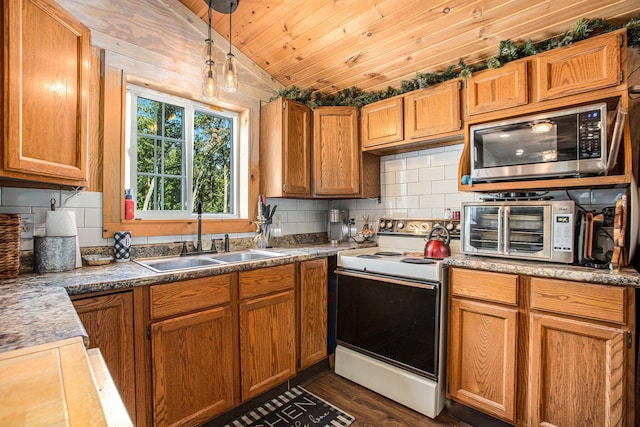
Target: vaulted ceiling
x=330, y=45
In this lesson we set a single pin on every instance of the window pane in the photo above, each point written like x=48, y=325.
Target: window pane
x=212, y=163
x=147, y=155
x=147, y=197
x=174, y=118
x=172, y=194
x=173, y=158
x=149, y=116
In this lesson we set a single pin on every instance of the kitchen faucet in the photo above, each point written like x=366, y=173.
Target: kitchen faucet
x=199, y=241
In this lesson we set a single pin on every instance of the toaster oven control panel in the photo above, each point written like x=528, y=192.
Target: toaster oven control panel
x=562, y=232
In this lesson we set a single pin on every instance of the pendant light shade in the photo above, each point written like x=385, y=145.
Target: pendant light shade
x=230, y=74
x=230, y=70
x=209, y=84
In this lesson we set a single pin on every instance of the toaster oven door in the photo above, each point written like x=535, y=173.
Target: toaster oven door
x=482, y=229
x=527, y=231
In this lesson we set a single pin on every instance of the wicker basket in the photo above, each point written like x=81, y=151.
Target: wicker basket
x=9, y=246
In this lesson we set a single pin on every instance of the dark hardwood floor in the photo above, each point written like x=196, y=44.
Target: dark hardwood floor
x=368, y=407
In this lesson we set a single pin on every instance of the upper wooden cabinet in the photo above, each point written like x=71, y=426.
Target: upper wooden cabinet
x=46, y=93
x=285, y=149
x=336, y=152
x=493, y=90
x=382, y=122
x=589, y=65
x=415, y=120
x=432, y=111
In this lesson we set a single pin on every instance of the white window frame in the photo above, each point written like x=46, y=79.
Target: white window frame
x=239, y=156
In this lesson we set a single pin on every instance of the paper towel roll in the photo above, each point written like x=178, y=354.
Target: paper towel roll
x=63, y=223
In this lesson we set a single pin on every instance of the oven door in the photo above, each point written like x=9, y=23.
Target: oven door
x=393, y=320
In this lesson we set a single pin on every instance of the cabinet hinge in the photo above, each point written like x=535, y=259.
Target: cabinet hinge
x=461, y=123
x=148, y=332
x=621, y=76
x=284, y=105
x=284, y=188
x=621, y=40
x=629, y=339
x=459, y=84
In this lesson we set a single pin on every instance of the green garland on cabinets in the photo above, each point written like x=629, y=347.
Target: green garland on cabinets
x=508, y=51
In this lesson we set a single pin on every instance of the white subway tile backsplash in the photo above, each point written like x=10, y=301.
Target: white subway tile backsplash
x=414, y=184
x=431, y=174
x=418, y=188
x=395, y=165
x=444, y=186
x=410, y=175
x=445, y=158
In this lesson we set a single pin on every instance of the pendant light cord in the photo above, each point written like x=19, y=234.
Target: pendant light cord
x=230, y=12
x=209, y=41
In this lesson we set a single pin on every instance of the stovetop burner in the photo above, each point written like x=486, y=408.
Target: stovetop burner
x=387, y=253
x=369, y=256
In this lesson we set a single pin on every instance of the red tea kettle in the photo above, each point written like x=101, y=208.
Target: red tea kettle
x=437, y=247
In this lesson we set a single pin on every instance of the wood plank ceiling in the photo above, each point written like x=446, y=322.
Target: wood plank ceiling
x=330, y=45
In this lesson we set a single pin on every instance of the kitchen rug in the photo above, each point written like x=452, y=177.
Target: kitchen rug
x=294, y=408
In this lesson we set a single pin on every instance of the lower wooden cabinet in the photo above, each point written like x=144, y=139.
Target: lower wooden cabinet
x=541, y=352
x=313, y=312
x=192, y=369
x=578, y=373
x=108, y=320
x=267, y=330
x=482, y=356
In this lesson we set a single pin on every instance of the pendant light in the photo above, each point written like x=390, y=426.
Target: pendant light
x=230, y=70
x=209, y=84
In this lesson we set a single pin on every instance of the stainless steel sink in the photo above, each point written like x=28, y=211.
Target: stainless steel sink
x=179, y=263
x=193, y=262
x=249, y=255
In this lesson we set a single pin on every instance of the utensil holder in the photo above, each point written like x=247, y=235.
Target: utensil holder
x=9, y=246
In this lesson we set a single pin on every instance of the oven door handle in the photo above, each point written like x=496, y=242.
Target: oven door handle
x=387, y=279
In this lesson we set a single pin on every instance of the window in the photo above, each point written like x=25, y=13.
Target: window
x=179, y=153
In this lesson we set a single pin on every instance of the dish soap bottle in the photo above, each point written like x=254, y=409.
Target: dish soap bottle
x=128, y=204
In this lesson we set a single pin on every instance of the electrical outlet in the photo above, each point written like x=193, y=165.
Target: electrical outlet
x=27, y=224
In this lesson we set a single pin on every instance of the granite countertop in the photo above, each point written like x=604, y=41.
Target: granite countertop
x=626, y=277
x=36, y=308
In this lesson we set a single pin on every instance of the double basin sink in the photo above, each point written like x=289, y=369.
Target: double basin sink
x=193, y=262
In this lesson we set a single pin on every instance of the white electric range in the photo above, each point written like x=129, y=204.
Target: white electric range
x=391, y=321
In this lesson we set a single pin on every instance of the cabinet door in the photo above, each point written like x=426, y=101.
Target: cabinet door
x=336, y=151
x=297, y=148
x=498, y=89
x=108, y=320
x=313, y=311
x=432, y=111
x=577, y=373
x=267, y=343
x=482, y=357
x=382, y=122
x=192, y=367
x=46, y=93
x=588, y=65
x=285, y=149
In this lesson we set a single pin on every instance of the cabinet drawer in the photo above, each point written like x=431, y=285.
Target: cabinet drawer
x=484, y=285
x=189, y=295
x=266, y=280
x=597, y=302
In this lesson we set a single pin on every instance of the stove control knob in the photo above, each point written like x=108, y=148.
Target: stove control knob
x=449, y=226
x=424, y=227
x=382, y=223
x=400, y=225
x=459, y=227
x=389, y=225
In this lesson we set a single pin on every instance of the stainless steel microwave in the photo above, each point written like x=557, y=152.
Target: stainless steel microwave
x=552, y=144
x=536, y=230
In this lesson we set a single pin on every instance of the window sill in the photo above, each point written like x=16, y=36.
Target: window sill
x=171, y=227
